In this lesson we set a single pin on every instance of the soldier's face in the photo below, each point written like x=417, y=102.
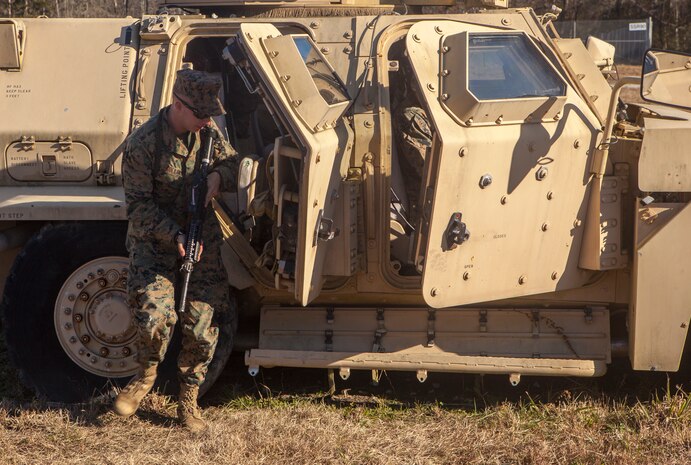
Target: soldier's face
x=190, y=120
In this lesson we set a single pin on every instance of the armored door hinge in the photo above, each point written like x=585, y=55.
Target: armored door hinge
x=64, y=143
x=105, y=173
x=27, y=142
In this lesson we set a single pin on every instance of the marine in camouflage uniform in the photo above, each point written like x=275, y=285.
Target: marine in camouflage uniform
x=414, y=141
x=158, y=168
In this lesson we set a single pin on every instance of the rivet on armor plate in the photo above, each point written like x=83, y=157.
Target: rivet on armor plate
x=348, y=35
x=314, y=24
x=368, y=124
x=557, y=117
x=577, y=223
x=466, y=276
x=431, y=87
x=576, y=143
x=522, y=280
x=445, y=73
x=500, y=119
x=445, y=49
x=273, y=54
x=550, y=195
x=249, y=36
x=416, y=38
x=438, y=30
x=434, y=292
x=506, y=21
x=504, y=200
x=285, y=77
x=545, y=226
x=463, y=152
x=444, y=96
x=347, y=50
x=485, y=180
x=469, y=122
x=325, y=50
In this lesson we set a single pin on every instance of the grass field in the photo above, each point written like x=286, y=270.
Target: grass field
x=284, y=417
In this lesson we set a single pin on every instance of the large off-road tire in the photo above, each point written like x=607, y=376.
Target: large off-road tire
x=68, y=328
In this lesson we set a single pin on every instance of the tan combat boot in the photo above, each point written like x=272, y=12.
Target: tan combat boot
x=127, y=402
x=188, y=411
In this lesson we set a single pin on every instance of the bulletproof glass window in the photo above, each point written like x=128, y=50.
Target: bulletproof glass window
x=330, y=87
x=508, y=66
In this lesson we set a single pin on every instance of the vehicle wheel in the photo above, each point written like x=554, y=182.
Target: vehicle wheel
x=68, y=327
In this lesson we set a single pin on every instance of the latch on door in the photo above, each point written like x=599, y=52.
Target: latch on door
x=456, y=233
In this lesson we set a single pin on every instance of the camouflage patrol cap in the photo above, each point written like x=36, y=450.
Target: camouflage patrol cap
x=200, y=90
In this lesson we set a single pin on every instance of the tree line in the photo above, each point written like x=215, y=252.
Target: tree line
x=671, y=27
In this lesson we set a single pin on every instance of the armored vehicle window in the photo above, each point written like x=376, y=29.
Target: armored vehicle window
x=507, y=66
x=324, y=78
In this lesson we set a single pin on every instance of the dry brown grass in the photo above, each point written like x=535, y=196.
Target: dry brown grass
x=309, y=430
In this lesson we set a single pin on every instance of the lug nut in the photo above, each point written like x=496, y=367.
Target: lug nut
x=78, y=317
x=85, y=339
x=126, y=351
x=102, y=282
x=83, y=296
x=104, y=352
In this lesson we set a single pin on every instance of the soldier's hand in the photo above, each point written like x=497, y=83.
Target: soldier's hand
x=181, y=239
x=213, y=186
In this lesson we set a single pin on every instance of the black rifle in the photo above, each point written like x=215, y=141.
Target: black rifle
x=196, y=210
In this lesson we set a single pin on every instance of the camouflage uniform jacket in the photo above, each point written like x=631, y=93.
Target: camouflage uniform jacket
x=157, y=170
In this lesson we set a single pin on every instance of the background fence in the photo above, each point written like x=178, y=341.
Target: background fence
x=630, y=37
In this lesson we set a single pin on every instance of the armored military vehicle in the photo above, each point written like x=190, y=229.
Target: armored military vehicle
x=539, y=231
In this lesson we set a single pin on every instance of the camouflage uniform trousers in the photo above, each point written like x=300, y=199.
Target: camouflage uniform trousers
x=152, y=276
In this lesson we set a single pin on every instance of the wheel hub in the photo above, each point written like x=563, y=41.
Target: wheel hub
x=93, y=320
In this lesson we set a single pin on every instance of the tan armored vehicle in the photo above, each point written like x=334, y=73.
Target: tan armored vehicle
x=543, y=230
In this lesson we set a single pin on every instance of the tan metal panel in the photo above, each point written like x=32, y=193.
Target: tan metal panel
x=661, y=295
x=563, y=333
x=12, y=38
x=324, y=164
x=525, y=225
x=424, y=358
x=59, y=94
x=57, y=203
x=665, y=162
x=48, y=161
x=586, y=75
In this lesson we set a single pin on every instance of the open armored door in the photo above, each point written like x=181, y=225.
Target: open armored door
x=303, y=91
x=505, y=182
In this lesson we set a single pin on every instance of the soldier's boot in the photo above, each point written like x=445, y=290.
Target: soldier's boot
x=128, y=400
x=188, y=410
